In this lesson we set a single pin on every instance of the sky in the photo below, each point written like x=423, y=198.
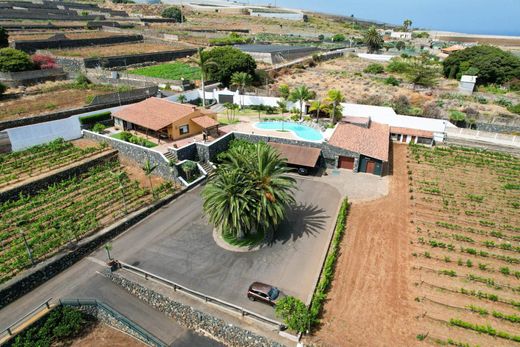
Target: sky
x=494, y=17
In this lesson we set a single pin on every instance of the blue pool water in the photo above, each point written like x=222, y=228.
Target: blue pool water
x=302, y=131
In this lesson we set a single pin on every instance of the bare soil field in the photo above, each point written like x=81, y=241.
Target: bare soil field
x=58, y=97
x=346, y=74
x=371, y=299
x=104, y=336
x=119, y=49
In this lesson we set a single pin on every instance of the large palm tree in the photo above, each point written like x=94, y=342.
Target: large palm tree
x=335, y=97
x=241, y=80
x=148, y=168
x=407, y=24
x=121, y=177
x=250, y=191
x=373, y=40
x=203, y=62
x=301, y=94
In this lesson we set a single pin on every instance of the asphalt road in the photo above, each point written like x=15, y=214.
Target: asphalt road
x=177, y=243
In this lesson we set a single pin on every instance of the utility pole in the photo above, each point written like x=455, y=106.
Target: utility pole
x=29, y=252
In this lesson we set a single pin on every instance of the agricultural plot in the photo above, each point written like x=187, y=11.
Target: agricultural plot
x=466, y=217
x=172, y=71
x=19, y=166
x=32, y=228
x=114, y=50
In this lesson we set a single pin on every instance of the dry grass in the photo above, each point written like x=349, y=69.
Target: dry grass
x=114, y=50
x=71, y=35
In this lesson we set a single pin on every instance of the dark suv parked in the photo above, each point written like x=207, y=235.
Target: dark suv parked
x=263, y=292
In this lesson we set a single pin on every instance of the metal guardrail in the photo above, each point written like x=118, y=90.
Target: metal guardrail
x=9, y=331
x=208, y=299
x=147, y=337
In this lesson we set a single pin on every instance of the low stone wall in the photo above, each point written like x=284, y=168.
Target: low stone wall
x=497, y=128
x=30, y=279
x=25, y=78
x=31, y=46
x=125, y=97
x=191, y=318
x=139, y=154
x=33, y=187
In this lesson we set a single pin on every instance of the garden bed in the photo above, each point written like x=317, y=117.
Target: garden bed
x=137, y=140
x=172, y=71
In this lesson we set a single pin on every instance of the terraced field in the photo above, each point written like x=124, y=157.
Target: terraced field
x=466, y=247
x=32, y=228
x=19, y=166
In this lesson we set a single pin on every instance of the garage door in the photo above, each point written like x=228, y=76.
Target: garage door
x=222, y=99
x=346, y=163
x=371, y=166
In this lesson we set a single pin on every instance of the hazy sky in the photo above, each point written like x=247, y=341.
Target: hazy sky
x=471, y=16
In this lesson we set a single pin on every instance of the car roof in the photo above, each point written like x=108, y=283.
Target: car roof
x=261, y=286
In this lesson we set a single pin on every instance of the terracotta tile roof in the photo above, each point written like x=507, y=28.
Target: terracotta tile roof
x=297, y=155
x=411, y=132
x=205, y=122
x=154, y=113
x=356, y=120
x=373, y=142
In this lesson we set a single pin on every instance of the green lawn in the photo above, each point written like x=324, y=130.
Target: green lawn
x=248, y=241
x=172, y=71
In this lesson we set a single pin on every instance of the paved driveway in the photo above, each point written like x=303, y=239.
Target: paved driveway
x=177, y=243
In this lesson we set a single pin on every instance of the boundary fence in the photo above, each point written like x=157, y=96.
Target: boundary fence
x=208, y=299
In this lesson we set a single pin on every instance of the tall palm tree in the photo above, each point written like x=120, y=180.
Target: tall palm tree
x=407, y=24
x=148, y=168
x=241, y=80
x=335, y=97
x=121, y=177
x=373, y=40
x=301, y=94
x=203, y=62
x=317, y=106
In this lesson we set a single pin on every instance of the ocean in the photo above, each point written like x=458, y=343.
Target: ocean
x=497, y=17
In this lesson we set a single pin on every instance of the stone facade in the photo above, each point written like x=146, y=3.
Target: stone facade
x=25, y=78
x=42, y=183
x=30, y=279
x=193, y=319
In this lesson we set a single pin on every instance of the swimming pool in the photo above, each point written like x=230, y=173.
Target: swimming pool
x=302, y=131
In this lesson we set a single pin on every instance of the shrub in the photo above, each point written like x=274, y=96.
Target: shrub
x=338, y=38
x=4, y=38
x=43, y=61
x=374, y=68
x=431, y=110
x=457, y=117
x=514, y=109
x=232, y=39
x=228, y=60
x=82, y=80
x=392, y=81
x=95, y=118
x=504, y=102
x=397, y=65
x=294, y=313
x=172, y=13
x=98, y=128
x=494, y=65
x=13, y=60
x=3, y=88
x=401, y=104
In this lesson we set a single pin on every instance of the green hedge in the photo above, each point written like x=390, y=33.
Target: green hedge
x=328, y=269
x=95, y=118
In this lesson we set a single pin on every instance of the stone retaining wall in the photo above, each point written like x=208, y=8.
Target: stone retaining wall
x=497, y=128
x=139, y=154
x=35, y=186
x=132, y=59
x=30, y=279
x=31, y=46
x=25, y=78
x=191, y=318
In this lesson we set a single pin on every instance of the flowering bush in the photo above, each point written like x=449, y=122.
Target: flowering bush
x=44, y=61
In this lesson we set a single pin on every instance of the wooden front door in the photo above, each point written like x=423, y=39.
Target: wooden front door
x=371, y=166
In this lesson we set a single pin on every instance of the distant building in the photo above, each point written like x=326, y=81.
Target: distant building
x=467, y=84
x=451, y=49
x=275, y=54
x=401, y=35
x=277, y=13
x=165, y=119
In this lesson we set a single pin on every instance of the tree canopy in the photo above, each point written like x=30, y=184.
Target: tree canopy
x=250, y=190
x=228, y=60
x=373, y=40
x=13, y=60
x=491, y=64
x=173, y=13
x=4, y=38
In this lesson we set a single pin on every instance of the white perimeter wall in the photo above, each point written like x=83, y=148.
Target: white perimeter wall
x=37, y=134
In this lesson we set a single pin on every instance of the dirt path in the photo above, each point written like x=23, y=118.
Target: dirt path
x=371, y=299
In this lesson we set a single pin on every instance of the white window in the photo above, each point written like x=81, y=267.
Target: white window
x=184, y=129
